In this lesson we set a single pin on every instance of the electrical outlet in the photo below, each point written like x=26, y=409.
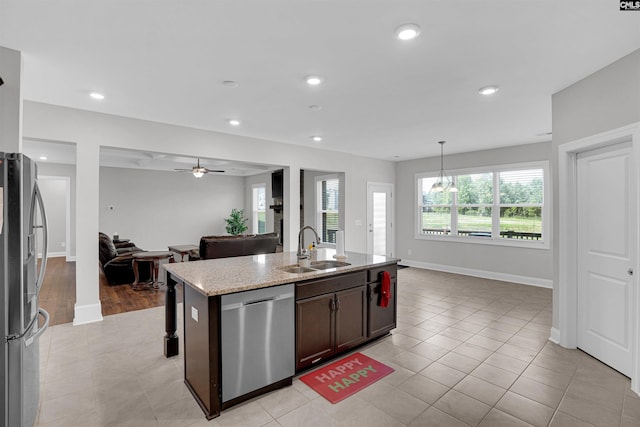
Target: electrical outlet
x=63, y=244
x=408, y=251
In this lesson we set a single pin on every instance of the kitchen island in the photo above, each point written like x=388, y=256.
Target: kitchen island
x=252, y=322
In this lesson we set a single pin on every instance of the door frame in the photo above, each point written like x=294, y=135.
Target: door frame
x=391, y=245
x=67, y=208
x=567, y=286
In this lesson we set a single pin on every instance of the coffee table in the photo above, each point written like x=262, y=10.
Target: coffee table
x=182, y=250
x=151, y=256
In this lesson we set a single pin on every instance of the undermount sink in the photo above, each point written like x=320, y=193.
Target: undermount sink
x=296, y=269
x=314, y=266
x=326, y=264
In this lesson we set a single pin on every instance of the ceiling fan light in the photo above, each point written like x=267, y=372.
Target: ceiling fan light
x=453, y=188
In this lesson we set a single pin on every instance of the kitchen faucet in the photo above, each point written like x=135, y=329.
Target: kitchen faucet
x=302, y=255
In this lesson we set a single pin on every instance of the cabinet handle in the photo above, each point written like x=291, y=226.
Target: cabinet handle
x=337, y=303
x=316, y=360
x=332, y=304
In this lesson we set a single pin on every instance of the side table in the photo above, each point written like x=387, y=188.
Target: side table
x=182, y=250
x=153, y=257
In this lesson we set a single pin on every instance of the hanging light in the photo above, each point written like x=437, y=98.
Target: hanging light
x=441, y=185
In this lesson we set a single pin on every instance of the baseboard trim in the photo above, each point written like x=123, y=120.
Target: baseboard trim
x=53, y=254
x=87, y=313
x=71, y=259
x=523, y=280
x=555, y=336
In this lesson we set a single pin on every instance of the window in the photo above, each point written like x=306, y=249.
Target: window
x=500, y=205
x=259, y=214
x=327, y=216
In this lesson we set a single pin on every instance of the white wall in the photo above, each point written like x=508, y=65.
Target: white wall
x=605, y=100
x=69, y=172
x=513, y=263
x=156, y=209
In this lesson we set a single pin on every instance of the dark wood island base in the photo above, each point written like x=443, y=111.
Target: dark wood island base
x=343, y=303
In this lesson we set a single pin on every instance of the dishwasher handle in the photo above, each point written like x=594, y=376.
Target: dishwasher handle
x=258, y=301
x=269, y=299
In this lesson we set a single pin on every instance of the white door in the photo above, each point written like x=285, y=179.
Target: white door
x=605, y=254
x=379, y=219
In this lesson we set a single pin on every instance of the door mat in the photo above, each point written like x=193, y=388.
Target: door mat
x=345, y=377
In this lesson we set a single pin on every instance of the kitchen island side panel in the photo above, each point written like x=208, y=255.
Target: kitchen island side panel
x=201, y=349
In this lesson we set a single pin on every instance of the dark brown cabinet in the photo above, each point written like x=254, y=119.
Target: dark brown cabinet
x=380, y=320
x=315, y=331
x=331, y=316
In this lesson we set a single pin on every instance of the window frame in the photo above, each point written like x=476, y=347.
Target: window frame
x=255, y=221
x=318, y=206
x=495, y=239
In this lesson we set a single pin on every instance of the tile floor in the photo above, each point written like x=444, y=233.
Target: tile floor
x=467, y=352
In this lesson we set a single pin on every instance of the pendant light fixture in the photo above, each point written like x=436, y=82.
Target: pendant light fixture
x=441, y=185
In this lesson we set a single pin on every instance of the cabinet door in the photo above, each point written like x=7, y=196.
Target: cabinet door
x=351, y=317
x=381, y=319
x=314, y=329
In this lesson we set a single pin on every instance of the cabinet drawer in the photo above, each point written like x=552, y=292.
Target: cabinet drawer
x=330, y=284
x=373, y=274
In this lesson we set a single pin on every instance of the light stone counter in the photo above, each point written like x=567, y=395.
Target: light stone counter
x=228, y=275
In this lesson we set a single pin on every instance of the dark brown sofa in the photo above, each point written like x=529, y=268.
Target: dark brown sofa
x=231, y=246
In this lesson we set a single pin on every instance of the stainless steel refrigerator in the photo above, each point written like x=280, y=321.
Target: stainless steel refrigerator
x=22, y=225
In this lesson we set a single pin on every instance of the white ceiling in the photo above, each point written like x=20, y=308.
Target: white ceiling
x=165, y=60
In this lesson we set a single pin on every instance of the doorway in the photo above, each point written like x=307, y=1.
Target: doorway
x=605, y=254
x=577, y=305
x=380, y=219
x=56, y=195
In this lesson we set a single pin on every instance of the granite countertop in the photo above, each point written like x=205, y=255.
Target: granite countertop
x=228, y=275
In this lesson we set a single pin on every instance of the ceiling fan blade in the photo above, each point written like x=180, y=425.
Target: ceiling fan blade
x=182, y=170
x=212, y=170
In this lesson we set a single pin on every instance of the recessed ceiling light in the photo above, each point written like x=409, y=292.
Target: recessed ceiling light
x=315, y=107
x=43, y=157
x=316, y=138
x=314, y=80
x=96, y=95
x=234, y=122
x=407, y=31
x=488, y=90
x=230, y=84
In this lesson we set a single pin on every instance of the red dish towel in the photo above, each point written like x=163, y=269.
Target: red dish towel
x=385, y=289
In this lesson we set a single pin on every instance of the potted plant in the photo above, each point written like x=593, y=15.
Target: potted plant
x=236, y=223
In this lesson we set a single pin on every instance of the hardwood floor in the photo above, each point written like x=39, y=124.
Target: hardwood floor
x=58, y=293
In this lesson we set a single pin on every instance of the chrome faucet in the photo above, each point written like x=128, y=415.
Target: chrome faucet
x=300, y=253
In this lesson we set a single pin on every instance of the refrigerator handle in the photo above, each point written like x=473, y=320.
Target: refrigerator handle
x=45, y=235
x=40, y=331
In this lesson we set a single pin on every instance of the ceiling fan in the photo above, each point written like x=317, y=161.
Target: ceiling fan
x=198, y=171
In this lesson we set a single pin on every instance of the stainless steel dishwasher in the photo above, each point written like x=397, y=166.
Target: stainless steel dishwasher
x=258, y=339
